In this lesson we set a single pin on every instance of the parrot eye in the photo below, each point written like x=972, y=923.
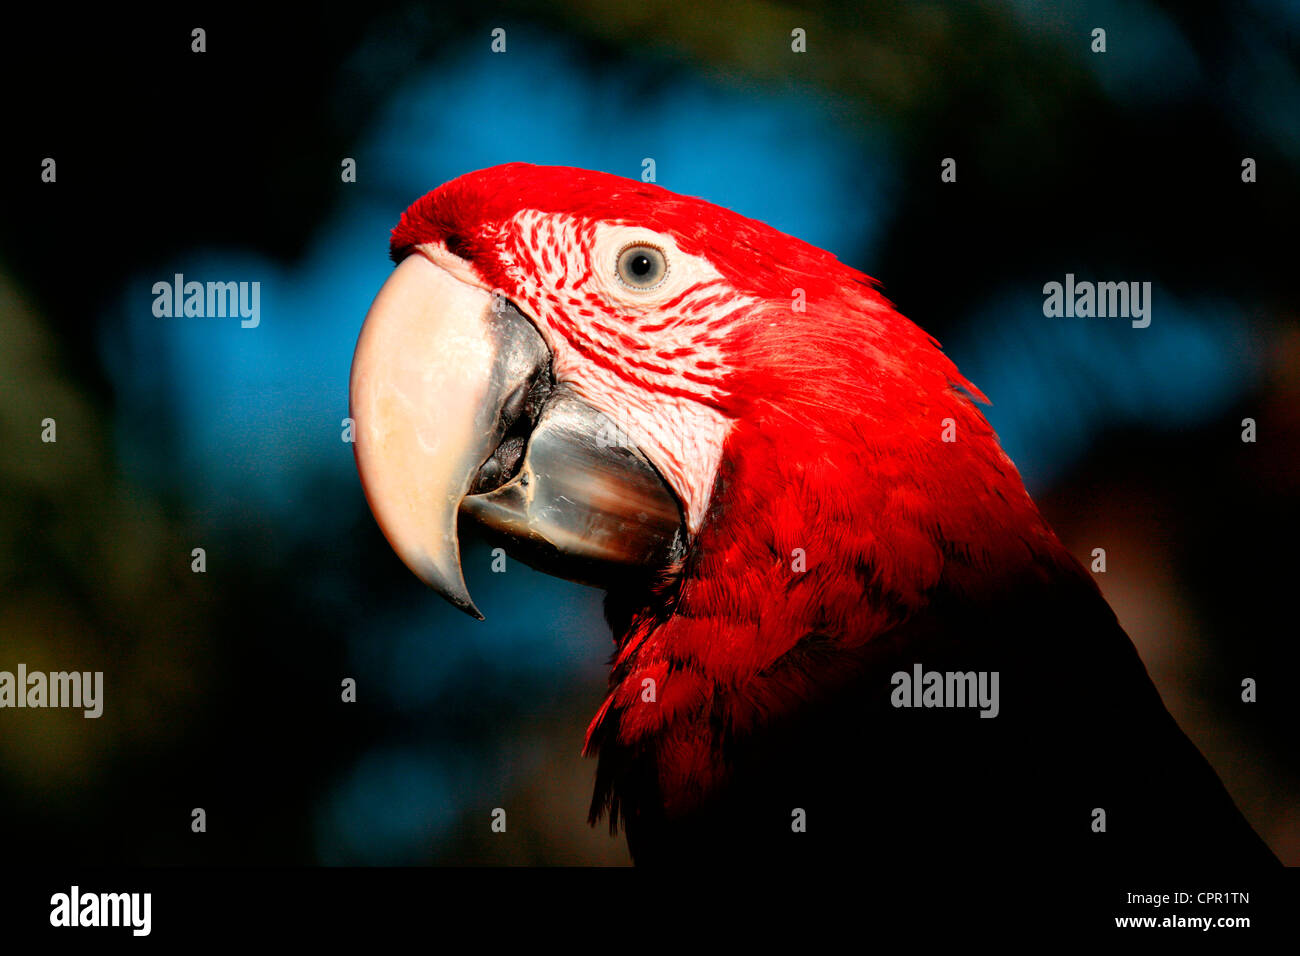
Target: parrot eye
x=642, y=267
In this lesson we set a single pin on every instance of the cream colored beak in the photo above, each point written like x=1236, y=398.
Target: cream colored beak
x=434, y=365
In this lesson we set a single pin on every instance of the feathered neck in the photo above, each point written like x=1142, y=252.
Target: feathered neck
x=858, y=482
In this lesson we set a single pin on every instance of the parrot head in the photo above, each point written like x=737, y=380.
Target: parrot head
x=565, y=356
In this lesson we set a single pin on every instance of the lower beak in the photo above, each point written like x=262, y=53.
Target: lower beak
x=457, y=411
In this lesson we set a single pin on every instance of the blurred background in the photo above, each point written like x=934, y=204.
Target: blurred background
x=222, y=689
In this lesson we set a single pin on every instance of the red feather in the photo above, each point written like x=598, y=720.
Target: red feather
x=769, y=679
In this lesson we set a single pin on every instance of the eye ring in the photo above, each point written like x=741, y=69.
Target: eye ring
x=641, y=266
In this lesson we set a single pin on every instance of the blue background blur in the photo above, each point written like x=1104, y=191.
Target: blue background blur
x=175, y=433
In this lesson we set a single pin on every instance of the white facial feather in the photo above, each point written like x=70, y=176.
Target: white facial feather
x=651, y=360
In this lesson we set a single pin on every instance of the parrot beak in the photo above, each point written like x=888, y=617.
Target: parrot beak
x=457, y=412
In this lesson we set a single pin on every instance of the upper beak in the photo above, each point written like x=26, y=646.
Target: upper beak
x=456, y=411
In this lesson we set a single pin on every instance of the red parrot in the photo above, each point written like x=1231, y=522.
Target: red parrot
x=805, y=525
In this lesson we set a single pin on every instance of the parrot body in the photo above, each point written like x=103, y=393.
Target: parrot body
x=834, y=511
